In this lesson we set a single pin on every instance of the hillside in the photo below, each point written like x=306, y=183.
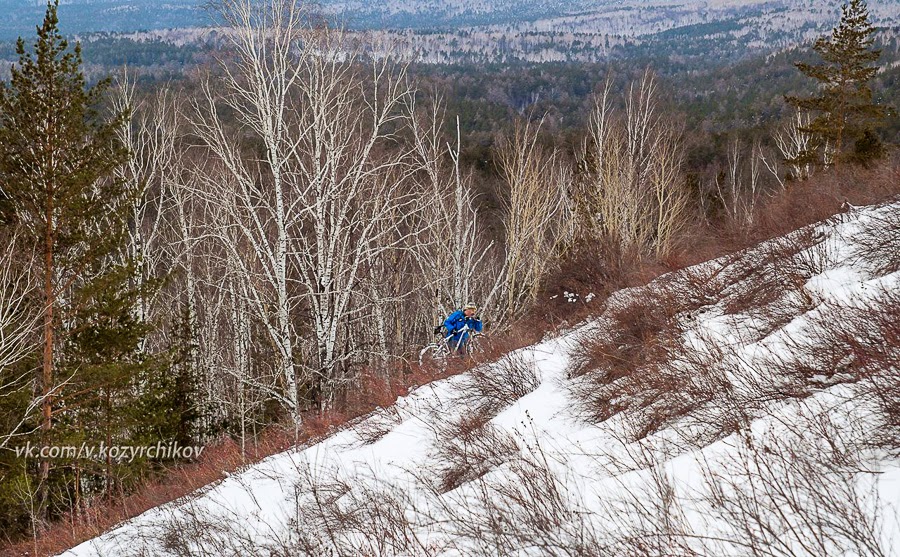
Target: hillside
x=748, y=405
x=462, y=31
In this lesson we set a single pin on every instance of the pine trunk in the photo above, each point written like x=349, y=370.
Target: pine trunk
x=46, y=379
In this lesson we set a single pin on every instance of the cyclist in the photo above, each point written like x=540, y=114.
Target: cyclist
x=458, y=324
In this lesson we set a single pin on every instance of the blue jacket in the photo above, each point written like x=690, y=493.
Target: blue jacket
x=456, y=321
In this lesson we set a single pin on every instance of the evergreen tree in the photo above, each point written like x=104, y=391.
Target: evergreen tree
x=843, y=107
x=58, y=153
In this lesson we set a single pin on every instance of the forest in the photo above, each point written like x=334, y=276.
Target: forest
x=211, y=243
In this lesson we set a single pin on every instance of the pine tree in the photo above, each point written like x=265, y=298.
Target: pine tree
x=58, y=152
x=843, y=107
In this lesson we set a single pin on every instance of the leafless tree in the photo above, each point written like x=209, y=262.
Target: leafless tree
x=329, y=195
x=16, y=321
x=151, y=134
x=631, y=185
x=740, y=189
x=794, y=143
x=18, y=327
x=358, y=199
x=167, y=238
x=253, y=198
x=537, y=220
x=451, y=252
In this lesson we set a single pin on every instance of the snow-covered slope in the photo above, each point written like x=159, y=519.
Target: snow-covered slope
x=746, y=406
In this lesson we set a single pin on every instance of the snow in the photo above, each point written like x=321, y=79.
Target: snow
x=609, y=481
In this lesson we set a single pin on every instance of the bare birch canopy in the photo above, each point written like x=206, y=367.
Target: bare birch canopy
x=18, y=328
x=324, y=196
x=632, y=190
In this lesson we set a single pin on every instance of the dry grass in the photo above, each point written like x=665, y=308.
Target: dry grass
x=469, y=446
x=529, y=506
x=870, y=336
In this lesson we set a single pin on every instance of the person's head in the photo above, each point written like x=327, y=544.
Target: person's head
x=470, y=309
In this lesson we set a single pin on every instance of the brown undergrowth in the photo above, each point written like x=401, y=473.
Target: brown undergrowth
x=628, y=366
x=638, y=364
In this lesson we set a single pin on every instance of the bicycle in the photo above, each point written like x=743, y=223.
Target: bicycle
x=437, y=352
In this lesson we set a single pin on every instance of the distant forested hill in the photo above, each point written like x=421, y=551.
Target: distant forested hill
x=20, y=17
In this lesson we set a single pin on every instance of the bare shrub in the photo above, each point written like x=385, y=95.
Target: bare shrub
x=330, y=514
x=194, y=532
x=837, y=343
x=528, y=506
x=351, y=516
x=764, y=276
x=377, y=425
x=884, y=388
x=694, y=287
x=636, y=332
x=796, y=488
x=815, y=359
x=623, y=366
x=592, y=268
x=719, y=393
x=878, y=245
x=841, y=342
x=651, y=520
x=815, y=260
x=468, y=448
x=795, y=492
x=190, y=531
x=488, y=389
x=874, y=352
x=626, y=366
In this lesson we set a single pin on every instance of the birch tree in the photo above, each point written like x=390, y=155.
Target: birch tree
x=325, y=196
x=452, y=254
x=537, y=220
x=18, y=336
x=359, y=203
x=255, y=197
x=794, y=142
x=631, y=190
x=740, y=186
x=151, y=133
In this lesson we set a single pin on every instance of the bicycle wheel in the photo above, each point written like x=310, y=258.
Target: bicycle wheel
x=433, y=354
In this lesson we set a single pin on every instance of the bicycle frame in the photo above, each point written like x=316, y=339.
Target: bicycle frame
x=439, y=351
